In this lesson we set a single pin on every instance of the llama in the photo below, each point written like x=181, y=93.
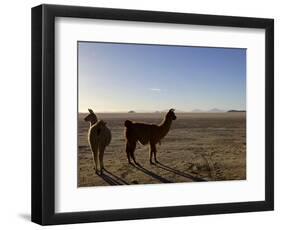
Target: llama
x=146, y=133
x=99, y=136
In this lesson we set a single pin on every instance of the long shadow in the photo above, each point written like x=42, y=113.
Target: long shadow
x=152, y=174
x=110, y=180
x=116, y=177
x=189, y=176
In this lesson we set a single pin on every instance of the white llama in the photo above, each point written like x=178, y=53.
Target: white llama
x=99, y=136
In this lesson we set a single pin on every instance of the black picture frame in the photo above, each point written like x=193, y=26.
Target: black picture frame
x=43, y=114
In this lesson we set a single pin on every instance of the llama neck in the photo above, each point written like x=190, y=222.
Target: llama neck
x=92, y=123
x=165, y=126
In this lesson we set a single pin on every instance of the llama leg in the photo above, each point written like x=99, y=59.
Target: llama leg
x=95, y=157
x=150, y=157
x=128, y=152
x=132, y=152
x=101, y=154
x=150, y=153
x=153, y=152
x=155, y=159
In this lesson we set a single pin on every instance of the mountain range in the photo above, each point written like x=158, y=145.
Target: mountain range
x=214, y=110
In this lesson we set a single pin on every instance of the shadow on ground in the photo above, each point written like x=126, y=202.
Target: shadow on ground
x=183, y=174
x=113, y=179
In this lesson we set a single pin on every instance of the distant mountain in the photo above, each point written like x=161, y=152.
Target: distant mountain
x=131, y=111
x=215, y=110
x=197, y=111
x=236, y=111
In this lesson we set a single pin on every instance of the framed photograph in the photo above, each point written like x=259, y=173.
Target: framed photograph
x=142, y=114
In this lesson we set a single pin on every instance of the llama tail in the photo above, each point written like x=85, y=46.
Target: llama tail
x=128, y=123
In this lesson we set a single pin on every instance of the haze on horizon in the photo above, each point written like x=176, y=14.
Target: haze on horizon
x=147, y=78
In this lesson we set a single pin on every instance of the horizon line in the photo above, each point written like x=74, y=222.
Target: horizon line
x=180, y=111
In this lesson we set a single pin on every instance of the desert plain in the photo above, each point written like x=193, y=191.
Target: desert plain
x=199, y=147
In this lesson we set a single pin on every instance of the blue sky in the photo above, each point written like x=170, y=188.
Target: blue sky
x=121, y=77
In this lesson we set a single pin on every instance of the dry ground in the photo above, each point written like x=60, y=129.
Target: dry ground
x=199, y=147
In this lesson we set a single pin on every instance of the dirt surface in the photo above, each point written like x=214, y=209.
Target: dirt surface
x=198, y=147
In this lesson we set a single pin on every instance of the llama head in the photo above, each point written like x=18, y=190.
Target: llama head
x=171, y=114
x=91, y=117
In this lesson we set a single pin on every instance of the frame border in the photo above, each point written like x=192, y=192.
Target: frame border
x=43, y=114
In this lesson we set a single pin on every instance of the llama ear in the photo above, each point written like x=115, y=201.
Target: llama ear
x=90, y=111
x=172, y=110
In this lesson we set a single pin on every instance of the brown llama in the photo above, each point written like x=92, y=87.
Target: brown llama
x=146, y=133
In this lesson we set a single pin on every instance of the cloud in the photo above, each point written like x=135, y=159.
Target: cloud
x=155, y=89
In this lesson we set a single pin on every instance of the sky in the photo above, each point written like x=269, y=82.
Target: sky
x=118, y=77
